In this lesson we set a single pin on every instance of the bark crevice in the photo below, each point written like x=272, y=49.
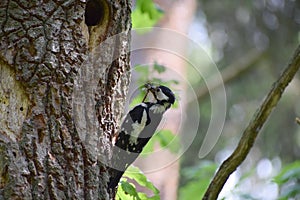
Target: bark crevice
x=44, y=51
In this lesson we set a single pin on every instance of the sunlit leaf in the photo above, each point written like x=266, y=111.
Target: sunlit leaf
x=135, y=174
x=127, y=191
x=145, y=15
x=128, y=188
x=143, y=196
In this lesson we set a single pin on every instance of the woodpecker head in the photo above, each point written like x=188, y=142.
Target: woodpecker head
x=162, y=94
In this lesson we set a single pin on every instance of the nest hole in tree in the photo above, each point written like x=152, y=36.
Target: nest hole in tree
x=94, y=12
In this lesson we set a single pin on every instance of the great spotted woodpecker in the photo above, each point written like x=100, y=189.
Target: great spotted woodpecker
x=137, y=129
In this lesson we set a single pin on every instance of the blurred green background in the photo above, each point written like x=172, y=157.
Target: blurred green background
x=232, y=32
x=251, y=42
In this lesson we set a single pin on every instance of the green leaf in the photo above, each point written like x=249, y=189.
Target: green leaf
x=167, y=139
x=194, y=190
x=200, y=177
x=121, y=195
x=288, y=178
x=135, y=174
x=127, y=191
x=146, y=14
x=159, y=68
x=143, y=196
x=128, y=188
x=149, y=147
x=138, y=99
x=289, y=172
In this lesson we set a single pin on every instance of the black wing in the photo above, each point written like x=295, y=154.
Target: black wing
x=126, y=152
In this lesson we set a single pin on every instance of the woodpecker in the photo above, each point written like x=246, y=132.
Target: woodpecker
x=137, y=129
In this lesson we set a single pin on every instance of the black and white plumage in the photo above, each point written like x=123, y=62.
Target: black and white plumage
x=137, y=129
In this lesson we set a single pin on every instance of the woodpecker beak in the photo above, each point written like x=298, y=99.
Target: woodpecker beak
x=153, y=90
x=150, y=88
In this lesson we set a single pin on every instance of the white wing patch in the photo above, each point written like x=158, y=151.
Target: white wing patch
x=144, y=105
x=138, y=128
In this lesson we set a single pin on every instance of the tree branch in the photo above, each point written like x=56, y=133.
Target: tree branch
x=251, y=132
x=297, y=120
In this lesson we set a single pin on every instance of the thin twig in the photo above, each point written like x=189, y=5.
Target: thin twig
x=297, y=120
x=252, y=130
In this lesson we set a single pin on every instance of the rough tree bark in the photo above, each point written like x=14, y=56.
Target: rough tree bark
x=43, y=46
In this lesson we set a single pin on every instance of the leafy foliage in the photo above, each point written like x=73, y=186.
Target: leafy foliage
x=198, y=178
x=127, y=190
x=159, y=68
x=145, y=14
x=289, y=181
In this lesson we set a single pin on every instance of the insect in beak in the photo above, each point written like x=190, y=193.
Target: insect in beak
x=149, y=87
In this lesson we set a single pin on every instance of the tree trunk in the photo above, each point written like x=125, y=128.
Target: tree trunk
x=50, y=147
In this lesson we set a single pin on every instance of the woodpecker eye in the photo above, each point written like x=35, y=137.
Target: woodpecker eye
x=158, y=90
